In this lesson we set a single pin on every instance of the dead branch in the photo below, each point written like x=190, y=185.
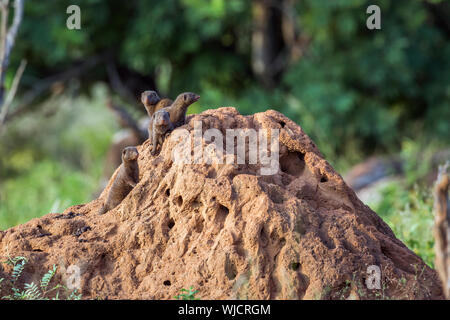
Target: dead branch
x=12, y=92
x=442, y=228
x=8, y=37
x=126, y=120
x=117, y=83
x=42, y=86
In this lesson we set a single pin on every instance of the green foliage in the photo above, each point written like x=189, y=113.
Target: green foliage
x=370, y=87
x=407, y=205
x=187, y=294
x=32, y=291
x=352, y=89
x=50, y=163
x=18, y=264
x=47, y=278
x=409, y=213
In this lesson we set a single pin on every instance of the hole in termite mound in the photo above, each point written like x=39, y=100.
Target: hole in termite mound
x=199, y=225
x=263, y=237
x=293, y=163
x=171, y=223
x=221, y=215
x=276, y=194
x=167, y=283
x=295, y=266
x=230, y=269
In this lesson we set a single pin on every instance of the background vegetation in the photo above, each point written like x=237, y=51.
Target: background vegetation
x=356, y=92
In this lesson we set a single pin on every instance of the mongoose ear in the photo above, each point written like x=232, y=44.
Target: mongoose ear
x=144, y=97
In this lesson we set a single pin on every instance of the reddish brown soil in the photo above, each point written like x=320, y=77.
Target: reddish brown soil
x=227, y=231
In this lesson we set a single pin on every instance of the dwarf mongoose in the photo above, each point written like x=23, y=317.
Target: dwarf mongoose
x=179, y=107
x=152, y=102
x=126, y=179
x=149, y=99
x=160, y=126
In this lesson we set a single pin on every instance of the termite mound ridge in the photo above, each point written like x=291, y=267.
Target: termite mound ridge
x=227, y=230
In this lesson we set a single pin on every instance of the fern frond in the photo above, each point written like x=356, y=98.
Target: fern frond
x=74, y=295
x=45, y=281
x=32, y=291
x=15, y=260
x=19, y=265
x=17, y=294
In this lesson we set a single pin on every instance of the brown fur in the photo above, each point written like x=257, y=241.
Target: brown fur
x=114, y=154
x=152, y=102
x=178, y=108
x=160, y=126
x=149, y=99
x=126, y=179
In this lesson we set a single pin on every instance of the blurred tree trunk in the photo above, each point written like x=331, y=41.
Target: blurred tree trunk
x=7, y=40
x=442, y=228
x=440, y=12
x=276, y=39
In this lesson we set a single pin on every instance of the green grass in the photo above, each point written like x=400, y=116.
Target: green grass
x=409, y=213
x=187, y=294
x=53, y=159
x=406, y=204
x=48, y=187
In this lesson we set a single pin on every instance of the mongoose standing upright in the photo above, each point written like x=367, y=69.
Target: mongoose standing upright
x=160, y=126
x=152, y=102
x=126, y=179
x=179, y=108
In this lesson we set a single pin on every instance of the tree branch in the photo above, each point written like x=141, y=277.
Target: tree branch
x=117, y=83
x=12, y=92
x=8, y=39
x=42, y=86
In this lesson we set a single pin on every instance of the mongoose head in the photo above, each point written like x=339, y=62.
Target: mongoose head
x=129, y=154
x=149, y=98
x=188, y=97
x=161, y=118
